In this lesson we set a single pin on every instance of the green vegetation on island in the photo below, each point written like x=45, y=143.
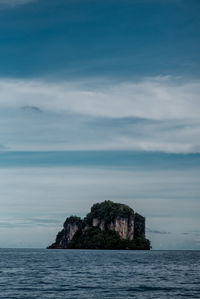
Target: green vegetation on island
x=94, y=238
x=109, y=225
x=108, y=211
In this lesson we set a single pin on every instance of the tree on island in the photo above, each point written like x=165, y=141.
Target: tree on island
x=109, y=225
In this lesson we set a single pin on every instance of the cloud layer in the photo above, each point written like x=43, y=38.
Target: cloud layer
x=159, y=98
x=153, y=114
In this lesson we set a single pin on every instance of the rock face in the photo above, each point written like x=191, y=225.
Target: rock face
x=139, y=226
x=70, y=227
x=109, y=225
x=123, y=226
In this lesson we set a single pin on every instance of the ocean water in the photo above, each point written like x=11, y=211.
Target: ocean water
x=42, y=273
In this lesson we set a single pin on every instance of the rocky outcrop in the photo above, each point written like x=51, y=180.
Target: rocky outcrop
x=139, y=226
x=108, y=226
x=65, y=236
x=124, y=227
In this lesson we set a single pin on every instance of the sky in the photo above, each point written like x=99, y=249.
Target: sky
x=99, y=100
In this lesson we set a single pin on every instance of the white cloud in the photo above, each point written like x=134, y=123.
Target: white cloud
x=153, y=98
x=156, y=114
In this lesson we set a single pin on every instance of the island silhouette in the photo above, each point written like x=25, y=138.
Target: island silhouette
x=109, y=225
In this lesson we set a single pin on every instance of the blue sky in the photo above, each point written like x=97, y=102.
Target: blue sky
x=99, y=38
x=99, y=100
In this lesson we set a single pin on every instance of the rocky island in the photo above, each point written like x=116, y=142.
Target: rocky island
x=109, y=225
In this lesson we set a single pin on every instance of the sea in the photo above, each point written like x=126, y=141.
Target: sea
x=43, y=273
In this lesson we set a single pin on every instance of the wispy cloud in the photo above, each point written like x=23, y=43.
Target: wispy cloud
x=153, y=114
x=153, y=231
x=31, y=108
x=13, y=3
x=159, y=98
x=13, y=222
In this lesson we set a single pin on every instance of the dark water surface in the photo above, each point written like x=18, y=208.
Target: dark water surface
x=41, y=273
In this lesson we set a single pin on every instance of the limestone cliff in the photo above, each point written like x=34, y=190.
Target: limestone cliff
x=70, y=227
x=123, y=226
x=109, y=225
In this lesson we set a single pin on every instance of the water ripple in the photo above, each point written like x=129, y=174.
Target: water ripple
x=35, y=273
